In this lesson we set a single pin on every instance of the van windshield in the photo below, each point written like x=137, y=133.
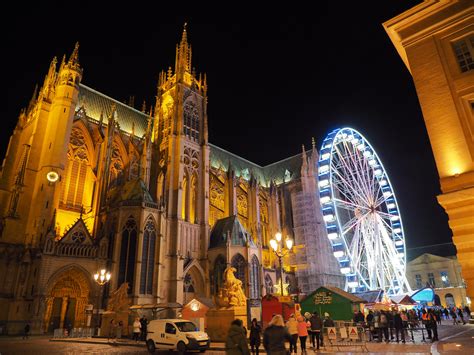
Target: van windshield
x=186, y=326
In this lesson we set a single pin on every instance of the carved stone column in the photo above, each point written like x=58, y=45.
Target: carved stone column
x=63, y=311
x=47, y=314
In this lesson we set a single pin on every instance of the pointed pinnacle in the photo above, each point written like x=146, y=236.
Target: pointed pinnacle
x=184, y=37
x=74, y=59
x=313, y=142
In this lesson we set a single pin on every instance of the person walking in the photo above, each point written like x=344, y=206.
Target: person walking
x=454, y=316
x=303, y=326
x=112, y=330
x=255, y=335
x=398, y=324
x=433, y=326
x=26, y=330
x=275, y=335
x=136, y=329
x=461, y=316
x=316, y=329
x=236, y=342
x=144, y=329
x=383, y=324
x=292, y=327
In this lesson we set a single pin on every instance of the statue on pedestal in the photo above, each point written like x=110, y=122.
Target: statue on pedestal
x=231, y=294
x=231, y=304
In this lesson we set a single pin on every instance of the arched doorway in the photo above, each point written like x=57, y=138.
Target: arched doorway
x=193, y=284
x=449, y=300
x=66, y=298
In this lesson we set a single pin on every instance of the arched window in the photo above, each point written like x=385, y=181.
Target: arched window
x=239, y=263
x=128, y=253
x=191, y=121
x=160, y=189
x=219, y=267
x=268, y=284
x=72, y=188
x=193, y=199
x=254, y=278
x=449, y=300
x=148, y=258
x=184, y=201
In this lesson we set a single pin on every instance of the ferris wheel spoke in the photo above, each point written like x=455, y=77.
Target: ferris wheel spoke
x=350, y=170
x=350, y=188
x=347, y=192
x=352, y=223
x=349, y=205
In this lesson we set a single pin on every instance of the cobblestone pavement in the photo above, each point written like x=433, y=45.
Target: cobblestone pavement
x=454, y=339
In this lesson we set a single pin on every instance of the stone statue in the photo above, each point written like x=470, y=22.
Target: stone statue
x=119, y=300
x=231, y=293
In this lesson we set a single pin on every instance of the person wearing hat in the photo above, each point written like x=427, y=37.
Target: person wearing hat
x=315, y=330
x=328, y=322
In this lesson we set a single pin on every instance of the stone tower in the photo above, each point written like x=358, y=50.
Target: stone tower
x=181, y=165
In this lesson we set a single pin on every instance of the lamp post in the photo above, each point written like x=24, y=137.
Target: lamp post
x=280, y=251
x=101, y=277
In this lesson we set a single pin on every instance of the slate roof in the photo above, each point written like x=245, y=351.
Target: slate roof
x=222, y=159
x=96, y=103
x=133, y=190
x=229, y=226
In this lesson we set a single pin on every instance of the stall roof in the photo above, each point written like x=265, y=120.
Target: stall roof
x=371, y=296
x=403, y=300
x=351, y=297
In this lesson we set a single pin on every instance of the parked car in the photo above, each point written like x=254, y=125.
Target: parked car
x=175, y=334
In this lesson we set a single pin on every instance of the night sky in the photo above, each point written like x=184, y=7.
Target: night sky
x=276, y=79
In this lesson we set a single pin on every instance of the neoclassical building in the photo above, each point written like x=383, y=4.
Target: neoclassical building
x=89, y=182
x=441, y=273
x=435, y=40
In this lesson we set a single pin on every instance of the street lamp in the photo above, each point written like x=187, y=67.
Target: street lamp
x=280, y=251
x=101, y=277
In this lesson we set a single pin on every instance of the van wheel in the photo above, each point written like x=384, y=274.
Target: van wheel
x=181, y=348
x=150, y=345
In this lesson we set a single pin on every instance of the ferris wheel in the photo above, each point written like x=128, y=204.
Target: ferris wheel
x=361, y=214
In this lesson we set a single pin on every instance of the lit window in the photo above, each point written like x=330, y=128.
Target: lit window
x=445, y=278
x=431, y=279
x=464, y=50
x=191, y=121
x=419, y=283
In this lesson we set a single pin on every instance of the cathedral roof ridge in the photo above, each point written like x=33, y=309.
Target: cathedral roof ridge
x=257, y=165
x=114, y=100
x=235, y=155
x=288, y=158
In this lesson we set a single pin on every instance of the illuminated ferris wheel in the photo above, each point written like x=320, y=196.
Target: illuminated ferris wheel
x=361, y=214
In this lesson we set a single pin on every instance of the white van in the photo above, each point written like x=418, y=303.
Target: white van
x=175, y=334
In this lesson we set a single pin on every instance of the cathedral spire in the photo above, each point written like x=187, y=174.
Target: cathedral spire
x=74, y=58
x=184, y=36
x=183, y=55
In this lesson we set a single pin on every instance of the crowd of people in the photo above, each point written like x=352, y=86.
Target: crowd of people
x=298, y=327
x=394, y=325
x=382, y=325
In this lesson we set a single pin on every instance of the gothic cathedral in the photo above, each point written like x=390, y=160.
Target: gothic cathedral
x=89, y=183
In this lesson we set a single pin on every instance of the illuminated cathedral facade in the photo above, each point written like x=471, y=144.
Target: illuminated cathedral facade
x=89, y=183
